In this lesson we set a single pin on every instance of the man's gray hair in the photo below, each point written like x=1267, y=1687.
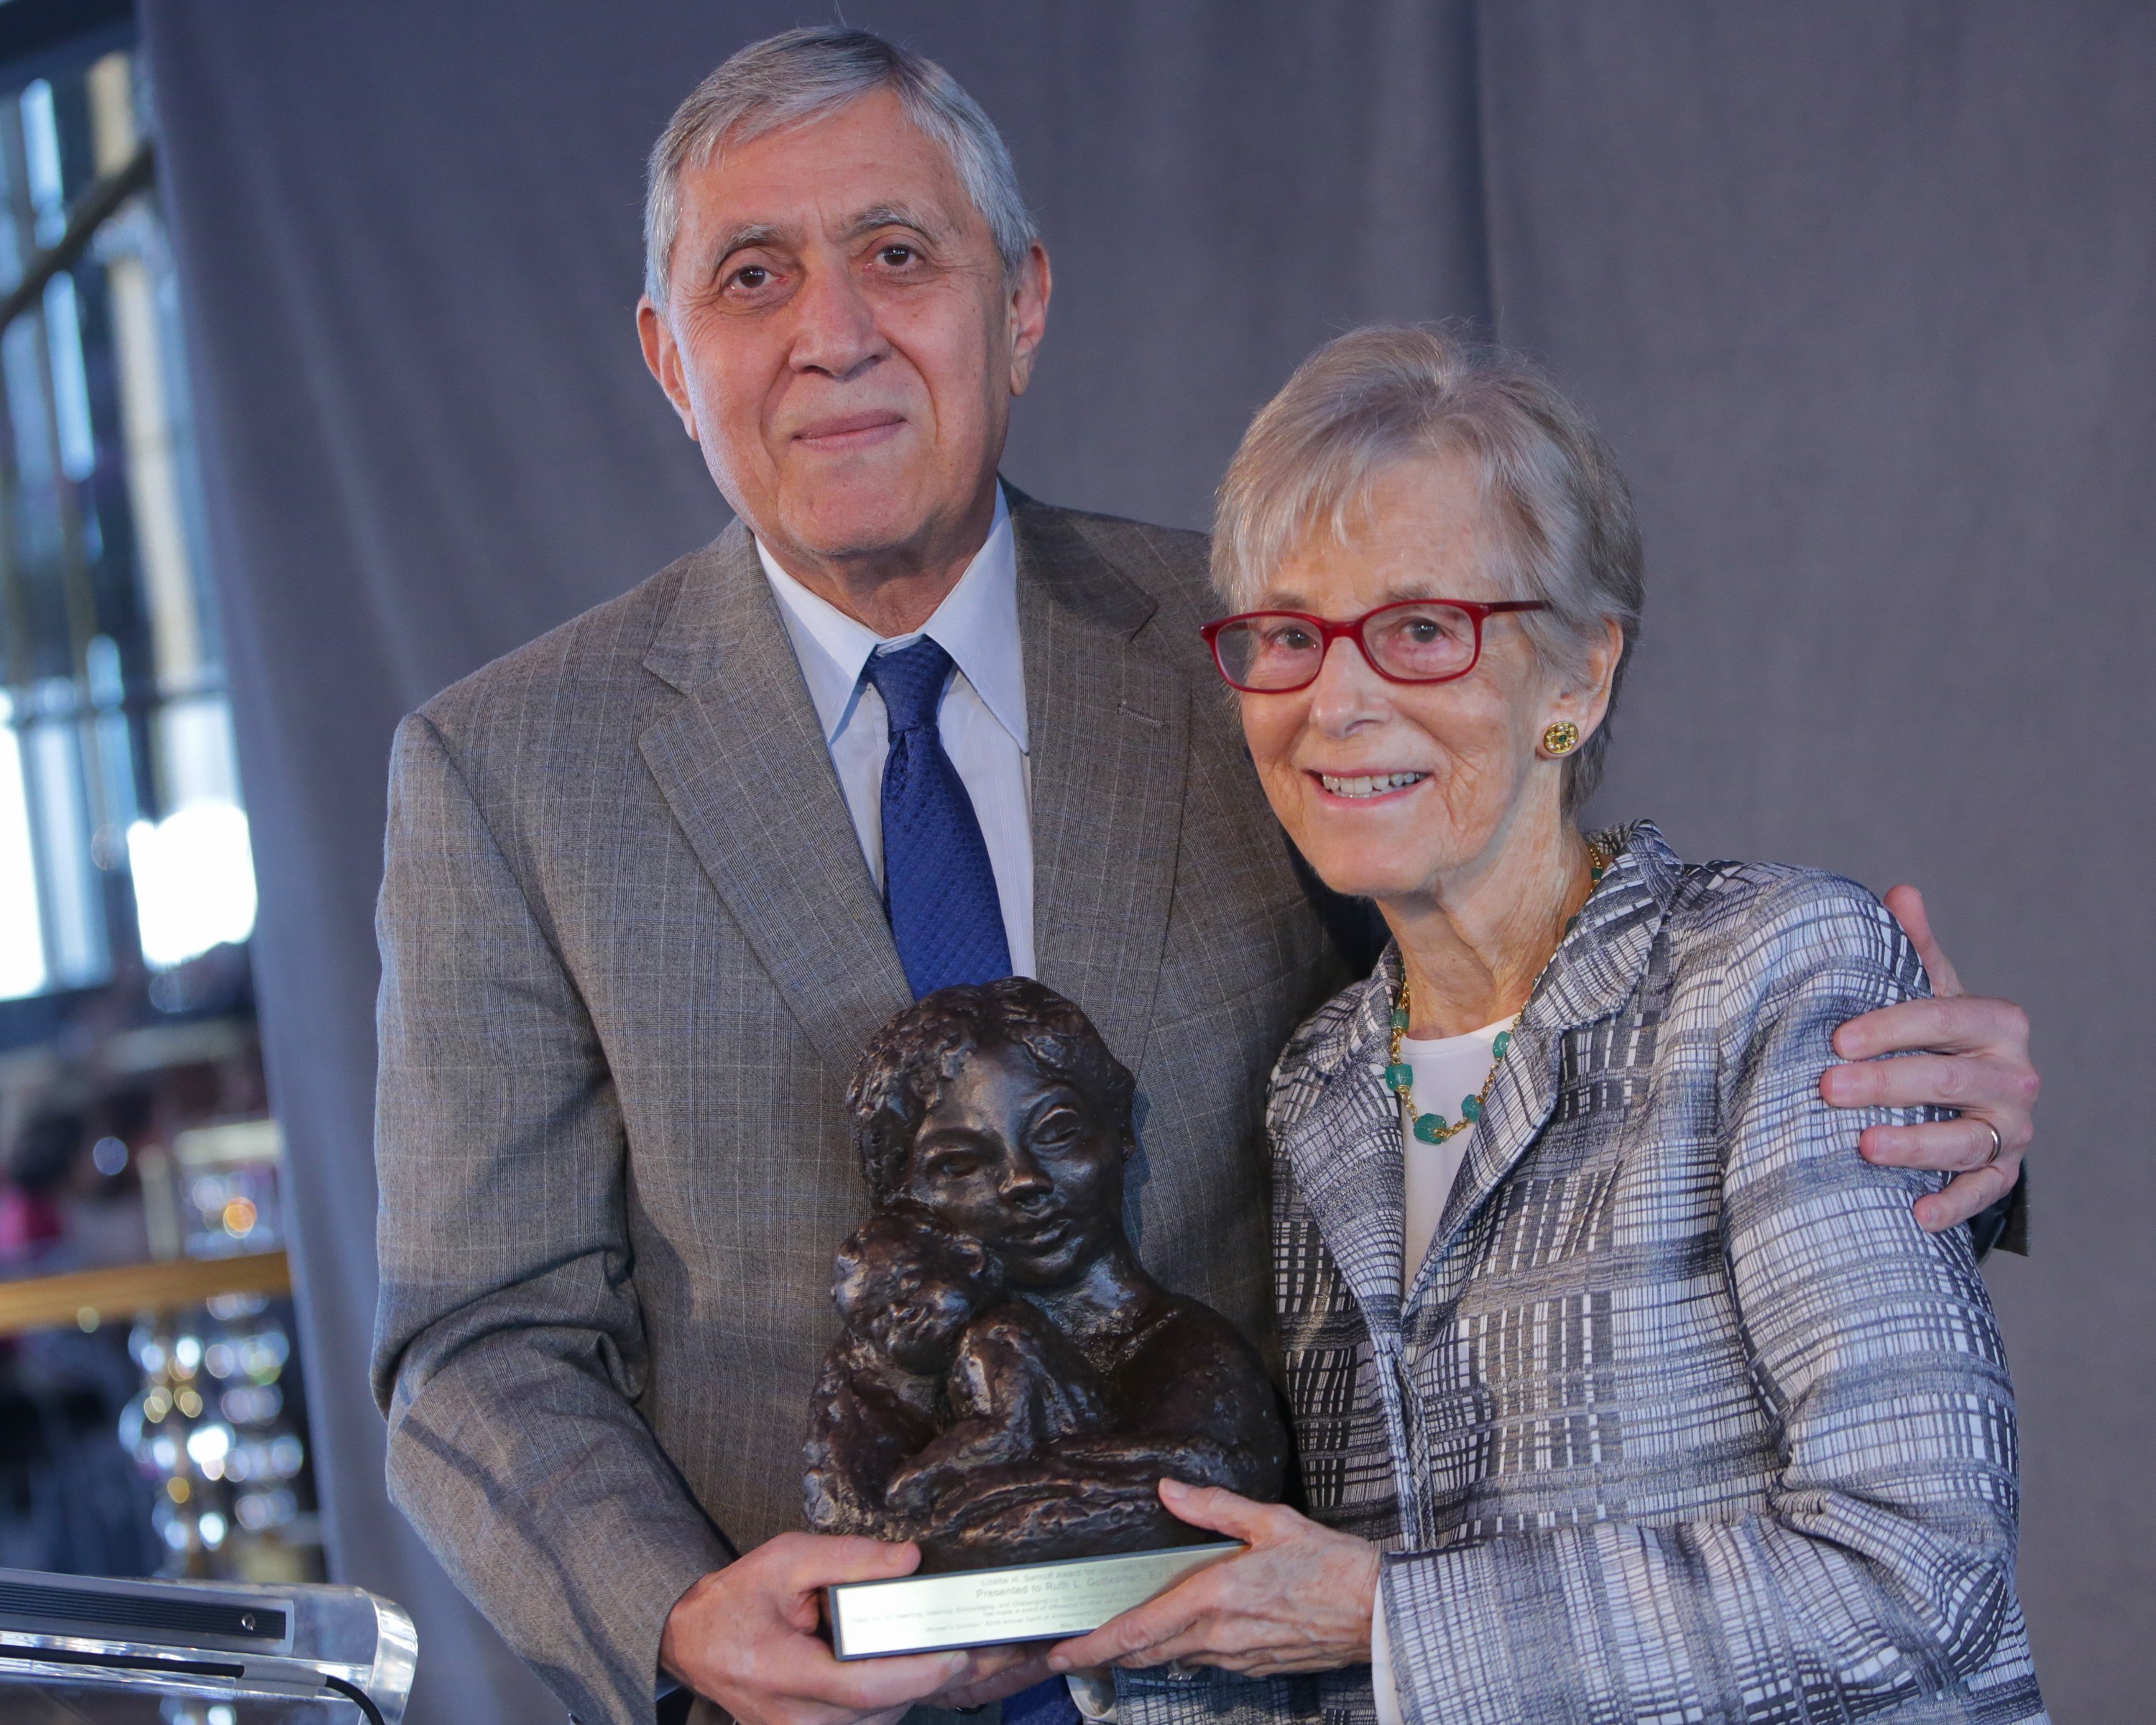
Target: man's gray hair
x=1374, y=398
x=801, y=76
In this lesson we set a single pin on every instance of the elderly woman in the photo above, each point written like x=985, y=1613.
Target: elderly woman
x=1624, y=1388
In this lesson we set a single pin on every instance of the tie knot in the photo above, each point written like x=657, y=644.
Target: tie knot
x=911, y=682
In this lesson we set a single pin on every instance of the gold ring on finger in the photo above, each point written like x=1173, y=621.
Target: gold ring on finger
x=1998, y=1144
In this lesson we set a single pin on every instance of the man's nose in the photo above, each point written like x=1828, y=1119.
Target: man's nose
x=1348, y=692
x=835, y=329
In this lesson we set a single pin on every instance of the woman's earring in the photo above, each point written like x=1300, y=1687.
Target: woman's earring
x=1560, y=738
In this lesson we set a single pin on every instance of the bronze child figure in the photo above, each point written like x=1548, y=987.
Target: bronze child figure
x=939, y=1373
x=1012, y=1384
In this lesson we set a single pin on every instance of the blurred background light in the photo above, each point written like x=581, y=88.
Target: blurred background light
x=194, y=882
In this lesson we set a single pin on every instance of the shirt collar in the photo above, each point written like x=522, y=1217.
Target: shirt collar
x=976, y=624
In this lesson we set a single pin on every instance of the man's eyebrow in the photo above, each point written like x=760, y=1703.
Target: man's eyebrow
x=744, y=236
x=891, y=215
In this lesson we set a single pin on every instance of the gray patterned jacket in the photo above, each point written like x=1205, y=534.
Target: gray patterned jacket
x=1682, y=1418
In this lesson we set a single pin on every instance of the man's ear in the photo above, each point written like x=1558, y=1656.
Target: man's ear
x=662, y=357
x=1029, y=315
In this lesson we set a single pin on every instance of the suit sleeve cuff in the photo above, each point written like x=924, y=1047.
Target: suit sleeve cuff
x=671, y=1574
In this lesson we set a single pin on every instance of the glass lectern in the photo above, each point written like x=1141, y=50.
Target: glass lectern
x=79, y=1650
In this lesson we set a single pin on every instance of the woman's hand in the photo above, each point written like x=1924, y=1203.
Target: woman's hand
x=1298, y=1600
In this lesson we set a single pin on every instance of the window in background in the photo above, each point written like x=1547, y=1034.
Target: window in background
x=152, y=1414
x=123, y=840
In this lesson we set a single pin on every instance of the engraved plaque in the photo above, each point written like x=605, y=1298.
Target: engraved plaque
x=982, y=1608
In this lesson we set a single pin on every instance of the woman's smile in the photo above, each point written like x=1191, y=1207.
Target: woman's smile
x=1366, y=787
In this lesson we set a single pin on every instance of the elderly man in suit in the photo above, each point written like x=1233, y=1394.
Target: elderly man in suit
x=654, y=879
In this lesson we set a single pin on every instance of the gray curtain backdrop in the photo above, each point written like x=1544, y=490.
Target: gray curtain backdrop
x=1861, y=290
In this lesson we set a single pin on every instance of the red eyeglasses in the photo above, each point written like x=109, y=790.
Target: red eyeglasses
x=1414, y=641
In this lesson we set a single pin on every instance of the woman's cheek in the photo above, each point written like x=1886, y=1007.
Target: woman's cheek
x=1270, y=727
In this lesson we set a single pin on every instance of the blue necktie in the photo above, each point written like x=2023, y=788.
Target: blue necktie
x=938, y=889
x=1047, y=1703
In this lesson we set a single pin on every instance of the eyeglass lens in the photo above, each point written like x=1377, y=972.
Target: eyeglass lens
x=1419, y=642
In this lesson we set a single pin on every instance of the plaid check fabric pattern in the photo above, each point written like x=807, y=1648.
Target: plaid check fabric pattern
x=1682, y=1417
x=939, y=886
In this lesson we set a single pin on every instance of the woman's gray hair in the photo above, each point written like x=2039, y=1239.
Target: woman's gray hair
x=1374, y=398
x=801, y=76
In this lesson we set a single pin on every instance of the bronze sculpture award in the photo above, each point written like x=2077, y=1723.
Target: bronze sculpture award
x=1011, y=1385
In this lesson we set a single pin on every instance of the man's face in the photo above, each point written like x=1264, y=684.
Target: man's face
x=840, y=340
x=1023, y=1163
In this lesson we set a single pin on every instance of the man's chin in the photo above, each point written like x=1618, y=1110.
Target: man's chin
x=859, y=516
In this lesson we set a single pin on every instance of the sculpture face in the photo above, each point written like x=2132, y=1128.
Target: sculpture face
x=1023, y=1163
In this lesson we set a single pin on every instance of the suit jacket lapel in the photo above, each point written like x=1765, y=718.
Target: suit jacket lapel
x=1109, y=723
x=1345, y=1153
x=1595, y=970
x=742, y=763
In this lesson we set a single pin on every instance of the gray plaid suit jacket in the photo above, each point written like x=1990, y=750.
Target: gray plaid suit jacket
x=630, y=954
x=1682, y=1417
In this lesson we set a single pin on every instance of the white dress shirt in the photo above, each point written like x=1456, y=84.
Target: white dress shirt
x=982, y=720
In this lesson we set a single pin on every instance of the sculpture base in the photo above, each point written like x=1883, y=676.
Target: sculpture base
x=985, y=1608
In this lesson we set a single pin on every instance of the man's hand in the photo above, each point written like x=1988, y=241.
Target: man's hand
x=745, y=1636
x=999, y=1673
x=1977, y=1061
x=1298, y=1600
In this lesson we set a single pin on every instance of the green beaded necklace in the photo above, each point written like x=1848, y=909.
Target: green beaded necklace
x=1399, y=1075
